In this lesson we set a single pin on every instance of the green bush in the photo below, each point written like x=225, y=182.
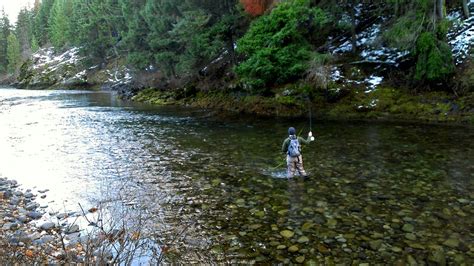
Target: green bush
x=276, y=46
x=434, y=59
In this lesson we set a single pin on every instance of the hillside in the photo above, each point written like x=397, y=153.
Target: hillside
x=359, y=61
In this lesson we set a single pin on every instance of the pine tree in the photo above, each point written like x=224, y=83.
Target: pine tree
x=135, y=32
x=13, y=54
x=97, y=28
x=24, y=31
x=42, y=22
x=4, y=33
x=59, y=23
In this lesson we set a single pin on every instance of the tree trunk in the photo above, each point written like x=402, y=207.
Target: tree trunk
x=465, y=8
x=440, y=8
x=353, y=26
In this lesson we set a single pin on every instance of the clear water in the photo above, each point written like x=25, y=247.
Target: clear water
x=213, y=187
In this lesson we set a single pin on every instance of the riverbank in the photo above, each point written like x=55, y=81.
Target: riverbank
x=30, y=235
x=382, y=104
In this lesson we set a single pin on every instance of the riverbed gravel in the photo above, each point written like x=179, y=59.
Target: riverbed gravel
x=28, y=234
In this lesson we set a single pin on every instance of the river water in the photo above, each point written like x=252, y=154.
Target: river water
x=211, y=188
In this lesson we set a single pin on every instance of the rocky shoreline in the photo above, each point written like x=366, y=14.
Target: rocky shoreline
x=29, y=234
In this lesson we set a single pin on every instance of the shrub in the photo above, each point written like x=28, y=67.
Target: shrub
x=434, y=59
x=276, y=46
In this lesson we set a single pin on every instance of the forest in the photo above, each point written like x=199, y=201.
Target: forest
x=266, y=48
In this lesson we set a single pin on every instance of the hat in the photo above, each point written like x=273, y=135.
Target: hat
x=291, y=131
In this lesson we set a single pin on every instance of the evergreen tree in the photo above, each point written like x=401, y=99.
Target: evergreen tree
x=41, y=24
x=97, y=28
x=13, y=54
x=135, y=33
x=420, y=27
x=59, y=23
x=160, y=17
x=24, y=31
x=4, y=33
x=276, y=46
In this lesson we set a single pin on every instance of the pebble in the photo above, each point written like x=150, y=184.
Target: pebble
x=47, y=225
x=452, y=243
x=34, y=215
x=375, y=244
x=408, y=228
x=16, y=210
x=300, y=259
x=410, y=236
x=293, y=248
x=303, y=239
x=287, y=233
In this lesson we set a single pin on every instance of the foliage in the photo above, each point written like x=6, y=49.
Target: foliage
x=24, y=31
x=423, y=32
x=434, y=59
x=255, y=8
x=277, y=47
x=4, y=33
x=13, y=53
x=96, y=25
x=41, y=24
x=59, y=23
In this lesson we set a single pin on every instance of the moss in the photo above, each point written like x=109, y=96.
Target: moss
x=383, y=103
x=155, y=96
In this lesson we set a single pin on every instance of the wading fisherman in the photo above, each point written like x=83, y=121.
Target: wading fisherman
x=292, y=147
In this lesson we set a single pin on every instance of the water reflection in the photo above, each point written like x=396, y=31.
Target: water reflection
x=224, y=178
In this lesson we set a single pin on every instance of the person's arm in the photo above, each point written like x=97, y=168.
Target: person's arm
x=284, y=147
x=304, y=141
x=308, y=140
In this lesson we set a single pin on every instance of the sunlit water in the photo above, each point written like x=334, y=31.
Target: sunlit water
x=219, y=182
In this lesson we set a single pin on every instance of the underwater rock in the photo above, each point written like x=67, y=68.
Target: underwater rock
x=287, y=233
x=437, y=256
x=303, y=239
x=300, y=259
x=293, y=248
x=408, y=228
x=452, y=243
x=375, y=244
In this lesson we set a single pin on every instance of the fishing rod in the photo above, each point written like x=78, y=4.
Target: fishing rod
x=310, y=118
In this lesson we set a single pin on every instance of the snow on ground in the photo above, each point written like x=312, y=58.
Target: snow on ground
x=80, y=75
x=372, y=83
x=461, y=36
x=45, y=58
x=119, y=76
x=372, y=51
x=336, y=74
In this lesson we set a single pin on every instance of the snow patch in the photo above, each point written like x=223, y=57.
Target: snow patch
x=336, y=74
x=343, y=48
x=371, y=51
x=45, y=58
x=119, y=76
x=80, y=75
x=371, y=105
x=373, y=81
x=461, y=36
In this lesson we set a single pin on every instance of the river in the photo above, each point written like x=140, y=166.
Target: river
x=212, y=187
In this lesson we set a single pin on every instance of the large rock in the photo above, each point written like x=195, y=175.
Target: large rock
x=49, y=69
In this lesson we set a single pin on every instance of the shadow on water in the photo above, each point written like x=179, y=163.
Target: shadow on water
x=377, y=192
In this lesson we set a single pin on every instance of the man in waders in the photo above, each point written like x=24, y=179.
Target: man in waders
x=292, y=147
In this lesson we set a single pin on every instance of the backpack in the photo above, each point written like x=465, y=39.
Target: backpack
x=294, y=148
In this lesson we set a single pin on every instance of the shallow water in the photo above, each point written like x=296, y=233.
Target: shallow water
x=377, y=192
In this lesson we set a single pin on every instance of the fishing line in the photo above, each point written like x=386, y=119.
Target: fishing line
x=310, y=116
